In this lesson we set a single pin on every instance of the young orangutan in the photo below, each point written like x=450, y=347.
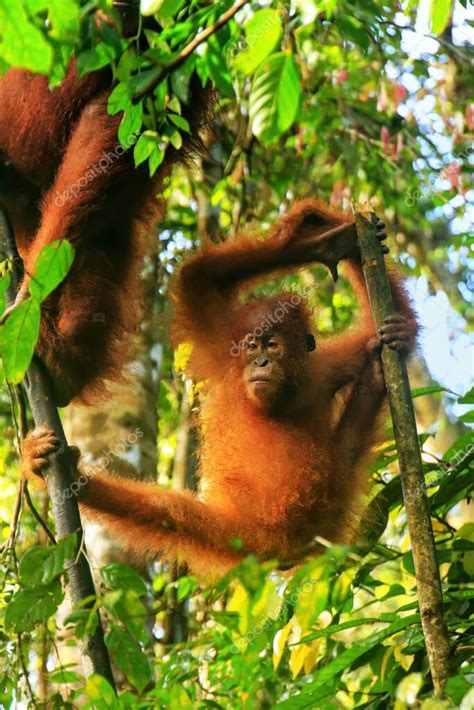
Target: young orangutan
x=287, y=428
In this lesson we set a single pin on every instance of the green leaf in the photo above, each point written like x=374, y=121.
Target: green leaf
x=156, y=158
x=22, y=43
x=130, y=124
x=354, y=30
x=216, y=65
x=4, y=286
x=100, y=693
x=92, y=59
x=176, y=139
x=40, y=565
x=263, y=32
x=335, y=628
x=51, y=268
x=142, y=82
x=63, y=14
x=126, y=605
x=275, y=97
x=467, y=398
x=179, y=121
x=119, y=100
x=18, y=339
x=181, y=79
x=120, y=576
x=144, y=147
x=168, y=9
x=31, y=606
x=421, y=391
x=62, y=675
x=85, y=620
x=440, y=13
x=129, y=657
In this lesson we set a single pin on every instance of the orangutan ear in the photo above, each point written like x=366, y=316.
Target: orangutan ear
x=310, y=343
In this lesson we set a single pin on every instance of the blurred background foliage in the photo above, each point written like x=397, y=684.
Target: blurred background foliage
x=351, y=102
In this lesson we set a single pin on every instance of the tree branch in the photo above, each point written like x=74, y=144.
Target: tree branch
x=411, y=471
x=94, y=653
x=189, y=49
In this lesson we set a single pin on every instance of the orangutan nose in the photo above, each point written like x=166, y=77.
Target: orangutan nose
x=261, y=361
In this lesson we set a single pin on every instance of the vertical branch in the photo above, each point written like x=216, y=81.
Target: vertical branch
x=59, y=478
x=414, y=494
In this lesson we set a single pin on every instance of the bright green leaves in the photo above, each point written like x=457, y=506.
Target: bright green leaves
x=22, y=43
x=276, y=86
x=121, y=100
x=52, y=266
x=32, y=606
x=42, y=565
x=101, y=694
x=18, y=338
x=129, y=657
x=149, y=147
x=263, y=32
x=40, y=591
x=19, y=334
x=120, y=576
x=275, y=97
x=128, y=633
x=440, y=12
x=27, y=41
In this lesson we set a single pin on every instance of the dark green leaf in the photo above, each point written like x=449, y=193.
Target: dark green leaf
x=40, y=565
x=129, y=657
x=119, y=576
x=32, y=606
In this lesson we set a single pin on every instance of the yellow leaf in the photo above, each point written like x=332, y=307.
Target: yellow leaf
x=181, y=356
x=383, y=665
x=313, y=655
x=268, y=604
x=408, y=688
x=297, y=656
x=403, y=659
x=279, y=644
x=240, y=602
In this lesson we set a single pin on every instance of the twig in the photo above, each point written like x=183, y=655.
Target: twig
x=24, y=670
x=189, y=49
x=38, y=517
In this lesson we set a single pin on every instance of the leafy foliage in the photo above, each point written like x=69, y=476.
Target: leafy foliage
x=332, y=97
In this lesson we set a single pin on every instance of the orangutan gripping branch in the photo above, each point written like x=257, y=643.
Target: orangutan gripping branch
x=287, y=428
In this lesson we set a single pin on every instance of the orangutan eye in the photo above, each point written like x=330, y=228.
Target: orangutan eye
x=272, y=344
x=251, y=345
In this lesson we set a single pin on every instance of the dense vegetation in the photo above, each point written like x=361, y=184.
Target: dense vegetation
x=347, y=101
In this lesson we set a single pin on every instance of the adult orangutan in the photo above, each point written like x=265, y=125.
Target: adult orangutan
x=64, y=174
x=287, y=428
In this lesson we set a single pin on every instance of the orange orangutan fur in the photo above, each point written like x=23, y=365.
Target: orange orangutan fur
x=276, y=471
x=63, y=174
